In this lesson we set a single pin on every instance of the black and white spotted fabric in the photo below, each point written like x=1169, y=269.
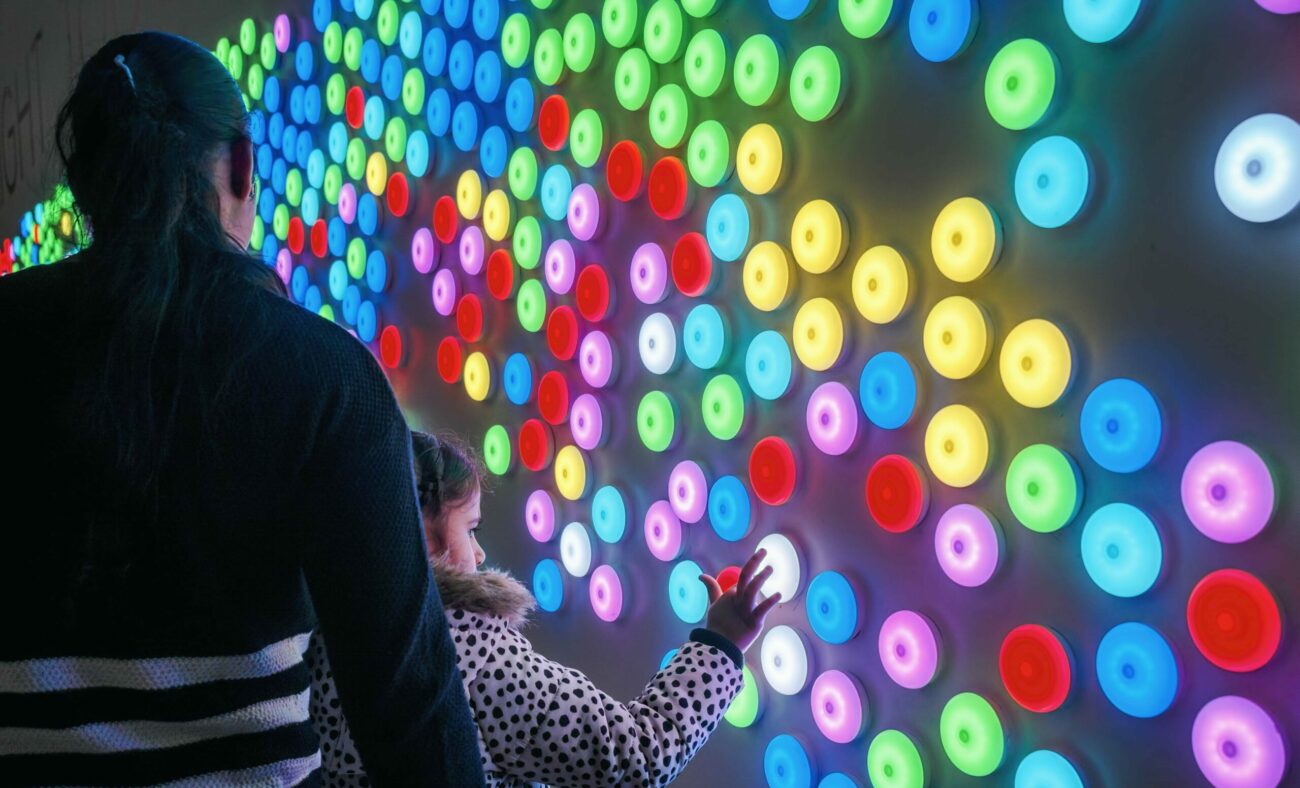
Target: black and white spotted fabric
x=541, y=723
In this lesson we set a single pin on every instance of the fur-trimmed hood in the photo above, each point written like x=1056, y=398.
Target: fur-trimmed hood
x=489, y=592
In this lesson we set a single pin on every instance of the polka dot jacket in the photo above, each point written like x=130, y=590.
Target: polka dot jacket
x=539, y=722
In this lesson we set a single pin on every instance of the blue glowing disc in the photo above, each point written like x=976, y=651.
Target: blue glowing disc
x=351, y=304
x=1137, y=670
x=887, y=389
x=484, y=17
x=1046, y=769
x=374, y=117
x=372, y=59
x=265, y=159
x=336, y=232
x=768, y=365
x=338, y=279
x=410, y=35
x=417, y=153
x=303, y=147
x=687, y=595
x=786, y=764
x=316, y=168
x=311, y=104
x=1121, y=425
x=367, y=322
x=455, y=12
x=668, y=657
x=729, y=508
x=704, y=335
x=838, y=780
x=304, y=61
x=310, y=206
x=832, y=607
x=460, y=65
x=367, y=214
x=434, y=52
x=493, y=151
x=271, y=94
x=320, y=15
x=487, y=77
x=275, y=130
x=941, y=29
x=1121, y=550
x=520, y=102
x=377, y=272
x=789, y=9
x=548, y=585
x=337, y=142
x=1052, y=182
x=556, y=187
x=464, y=126
x=431, y=7
x=517, y=378
x=298, y=282
x=1099, y=21
x=727, y=227
x=364, y=8
x=289, y=144
x=311, y=301
x=279, y=174
x=439, y=112
x=296, y=97
x=391, y=76
x=257, y=127
x=609, y=514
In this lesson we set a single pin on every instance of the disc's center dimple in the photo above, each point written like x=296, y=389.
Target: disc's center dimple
x=1112, y=426
x=932, y=18
x=959, y=547
x=1218, y=492
x=1112, y=551
x=1254, y=168
x=1027, y=363
x=1013, y=82
x=1229, y=749
x=1044, y=181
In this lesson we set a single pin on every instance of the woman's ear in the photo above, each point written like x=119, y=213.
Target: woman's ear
x=241, y=168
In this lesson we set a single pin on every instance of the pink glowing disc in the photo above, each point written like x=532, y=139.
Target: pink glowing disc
x=1238, y=745
x=472, y=250
x=587, y=422
x=832, y=418
x=663, y=531
x=424, y=250
x=649, y=273
x=606, y=593
x=584, y=212
x=561, y=266
x=596, y=359
x=1227, y=492
x=445, y=292
x=967, y=544
x=539, y=516
x=909, y=649
x=688, y=491
x=838, y=707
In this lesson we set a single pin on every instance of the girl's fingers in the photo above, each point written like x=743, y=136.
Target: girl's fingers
x=711, y=584
x=750, y=595
x=765, y=607
x=748, y=570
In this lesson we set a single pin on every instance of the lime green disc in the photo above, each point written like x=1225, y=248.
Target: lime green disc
x=706, y=63
x=586, y=137
x=280, y=222
x=865, y=18
x=668, y=116
x=386, y=22
x=266, y=52
x=972, y=735
x=235, y=62
x=326, y=311
x=332, y=43
x=293, y=187
x=618, y=20
x=248, y=36
x=496, y=450
x=663, y=31
x=256, y=80
x=894, y=762
x=356, y=258
x=352, y=42
x=579, y=42
x=633, y=79
x=815, y=84
x=395, y=139
x=543, y=4
x=744, y=709
x=700, y=8
x=522, y=173
x=723, y=407
x=656, y=421
x=223, y=49
x=548, y=57
x=355, y=159
x=333, y=184
x=527, y=242
x=413, y=91
x=1043, y=488
x=336, y=93
x=258, y=236
x=531, y=305
x=708, y=154
x=1020, y=84
x=516, y=37
x=756, y=70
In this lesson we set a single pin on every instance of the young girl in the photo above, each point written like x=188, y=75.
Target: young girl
x=539, y=721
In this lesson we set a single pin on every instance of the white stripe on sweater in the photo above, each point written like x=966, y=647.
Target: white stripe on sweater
x=134, y=735
x=276, y=774
x=56, y=674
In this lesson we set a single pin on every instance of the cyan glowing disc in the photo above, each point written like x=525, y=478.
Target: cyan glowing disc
x=556, y=187
x=548, y=585
x=609, y=514
x=1121, y=425
x=786, y=764
x=1121, y=550
x=704, y=336
x=517, y=378
x=727, y=227
x=1052, y=182
x=888, y=391
x=1137, y=670
x=687, y=595
x=768, y=365
x=941, y=29
x=832, y=607
x=729, y=509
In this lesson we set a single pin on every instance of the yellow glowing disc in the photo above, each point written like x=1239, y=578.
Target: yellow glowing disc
x=966, y=240
x=818, y=334
x=469, y=194
x=880, y=284
x=376, y=173
x=571, y=473
x=496, y=215
x=1035, y=363
x=817, y=237
x=478, y=377
x=957, y=337
x=767, y=276
x=957, y=446
x=760, y=158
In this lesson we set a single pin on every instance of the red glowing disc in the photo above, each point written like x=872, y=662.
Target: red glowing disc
x=297, y=235
x=444, y=219
x=624, y=170
x=450, y=359
x=399, y=195
x=1234, y=620
x=535, y=445
x=469, y=317
x=772, y=471
x=593, y=293
x=896, y=493
x=354, y=107
x=692, y=265
x=500, y=275
x=390, y=347
x=562, y=332
x=668, y=188
x=1035, y=668
x=553, y=398
x=320, y=238
x=728, y=578
x=553, y=122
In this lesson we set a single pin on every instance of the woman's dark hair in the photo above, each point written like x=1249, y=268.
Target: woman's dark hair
x=138, y=137
x=447, y=472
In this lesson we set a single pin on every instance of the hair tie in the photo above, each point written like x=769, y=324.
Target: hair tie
x=120, y=60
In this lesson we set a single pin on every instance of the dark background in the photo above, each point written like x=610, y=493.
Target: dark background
x=1156, y=281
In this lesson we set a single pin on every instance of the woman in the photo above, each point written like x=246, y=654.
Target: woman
x=185, y=498
x=540, y=721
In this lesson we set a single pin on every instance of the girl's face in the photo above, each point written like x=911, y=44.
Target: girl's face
x=454, y=540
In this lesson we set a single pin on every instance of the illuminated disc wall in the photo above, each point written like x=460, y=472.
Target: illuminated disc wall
x=978, y=317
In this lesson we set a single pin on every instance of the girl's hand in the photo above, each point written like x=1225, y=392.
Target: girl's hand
x=738, y=614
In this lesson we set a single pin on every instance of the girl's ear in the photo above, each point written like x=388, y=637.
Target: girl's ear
x=241, y=168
